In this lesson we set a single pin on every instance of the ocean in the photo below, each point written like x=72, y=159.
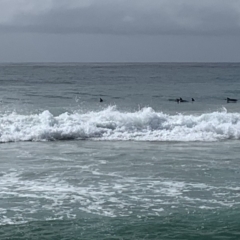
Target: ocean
x=138, y=165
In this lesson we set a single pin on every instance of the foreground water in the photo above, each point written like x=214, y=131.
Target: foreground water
x=136, y=166
x=98, y=190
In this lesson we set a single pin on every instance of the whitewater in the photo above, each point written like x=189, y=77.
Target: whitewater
x=111, y=124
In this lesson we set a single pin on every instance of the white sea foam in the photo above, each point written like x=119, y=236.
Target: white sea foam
x=111, y=124
x=52, y=197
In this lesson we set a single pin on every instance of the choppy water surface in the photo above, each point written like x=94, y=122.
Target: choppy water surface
x=144, y=184
x=136, y=166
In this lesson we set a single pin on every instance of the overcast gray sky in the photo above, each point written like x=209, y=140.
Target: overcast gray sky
x=119, y=30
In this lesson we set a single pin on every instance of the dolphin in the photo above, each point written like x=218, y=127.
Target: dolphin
x=231, y=100
x=174, y=100
x=181, y=100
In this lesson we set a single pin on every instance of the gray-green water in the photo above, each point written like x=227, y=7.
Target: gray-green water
x=135, y=166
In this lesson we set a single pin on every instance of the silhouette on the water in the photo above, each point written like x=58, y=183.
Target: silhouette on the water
x=173, y=100
x=101, y=100
x=231, y=100
x=180, y=100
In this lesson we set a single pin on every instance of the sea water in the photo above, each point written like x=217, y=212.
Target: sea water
x=135, y=166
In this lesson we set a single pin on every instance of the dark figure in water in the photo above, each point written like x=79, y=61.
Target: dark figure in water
x=181, y=100
x=231, y=100
x=101, y=100
x=174, y=100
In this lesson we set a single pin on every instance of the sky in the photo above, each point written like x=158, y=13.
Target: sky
x=119, y=31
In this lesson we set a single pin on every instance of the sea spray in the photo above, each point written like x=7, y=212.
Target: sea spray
x=111, y=124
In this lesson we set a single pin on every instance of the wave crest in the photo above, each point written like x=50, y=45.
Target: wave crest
x=111, y=124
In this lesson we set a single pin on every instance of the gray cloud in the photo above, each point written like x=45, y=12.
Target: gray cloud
x=119, y=30
x=122, y=17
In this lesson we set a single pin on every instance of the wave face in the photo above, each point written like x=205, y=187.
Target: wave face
x=111, y=124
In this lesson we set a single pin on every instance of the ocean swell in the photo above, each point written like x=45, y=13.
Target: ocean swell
x=111, y=124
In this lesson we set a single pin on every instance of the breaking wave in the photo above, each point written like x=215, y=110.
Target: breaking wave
x=111, y=124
